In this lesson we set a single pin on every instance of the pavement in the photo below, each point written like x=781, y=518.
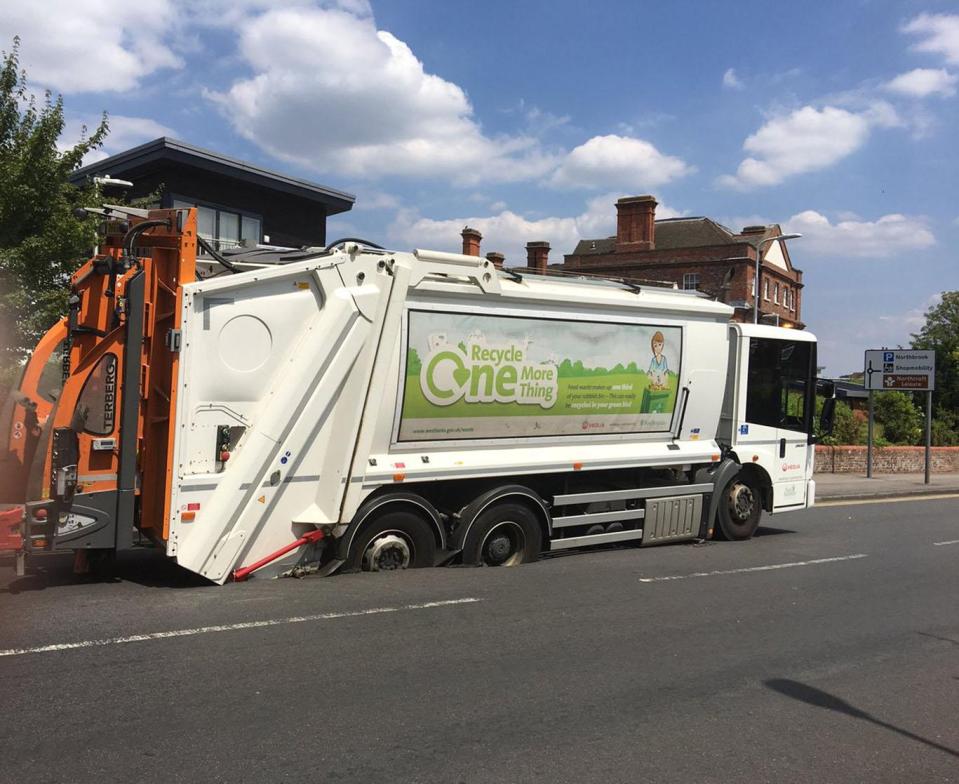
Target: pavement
x=825, y=649
x=841, y=487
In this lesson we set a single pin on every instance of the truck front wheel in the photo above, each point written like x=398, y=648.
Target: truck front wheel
x=506, y=534
x=397, y=540
x=740, y=508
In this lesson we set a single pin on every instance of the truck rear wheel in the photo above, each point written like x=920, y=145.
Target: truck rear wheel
x=506, y=534
x=397, y=540
x=740, y=508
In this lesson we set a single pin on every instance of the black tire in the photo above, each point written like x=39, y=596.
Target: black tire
x=740, y=507
x=505, y=534
x=395, y=540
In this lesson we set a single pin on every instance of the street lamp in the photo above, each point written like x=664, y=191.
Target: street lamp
x=758, y=246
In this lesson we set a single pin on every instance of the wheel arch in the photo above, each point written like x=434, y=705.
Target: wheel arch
x=468, y=514
x=761, y=478
x=377, y=506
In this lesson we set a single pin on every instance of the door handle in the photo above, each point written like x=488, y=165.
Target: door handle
x=782, y=447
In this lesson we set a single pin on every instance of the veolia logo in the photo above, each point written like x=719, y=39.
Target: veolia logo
x=479, y=373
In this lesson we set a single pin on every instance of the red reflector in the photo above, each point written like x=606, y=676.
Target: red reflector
x=224, y=456
x=39, y=514
x=194, y=507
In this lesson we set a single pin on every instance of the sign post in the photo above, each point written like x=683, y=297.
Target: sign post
x=906, y=370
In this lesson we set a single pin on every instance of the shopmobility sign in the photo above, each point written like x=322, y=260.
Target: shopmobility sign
x=477, y=376
x=904, y=369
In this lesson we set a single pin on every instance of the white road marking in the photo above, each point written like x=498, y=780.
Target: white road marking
x=229, y=627
x=768, y=568
x=898, y=499
x=940, y=544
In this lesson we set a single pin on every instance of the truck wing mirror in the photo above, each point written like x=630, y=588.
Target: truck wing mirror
x=828, y=416
x=825, y=388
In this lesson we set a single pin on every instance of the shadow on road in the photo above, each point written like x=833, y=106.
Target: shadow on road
x=148, y=568
x=766, y=531
x=937, y=637
x=821, y=699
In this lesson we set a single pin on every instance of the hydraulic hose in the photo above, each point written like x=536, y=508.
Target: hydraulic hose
x=354, y=239
x=216, y=255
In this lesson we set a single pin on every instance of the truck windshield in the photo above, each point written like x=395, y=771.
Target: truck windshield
x=780, y=380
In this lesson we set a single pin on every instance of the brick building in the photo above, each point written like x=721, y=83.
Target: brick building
x=696, y=253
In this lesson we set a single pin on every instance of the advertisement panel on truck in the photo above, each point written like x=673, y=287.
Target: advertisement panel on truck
x=479, y=376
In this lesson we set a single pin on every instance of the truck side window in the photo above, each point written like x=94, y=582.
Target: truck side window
x=779, y=375
x=50, y=382
x=96, y=406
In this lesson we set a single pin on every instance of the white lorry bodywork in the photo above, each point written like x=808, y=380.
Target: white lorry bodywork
x=289, y=397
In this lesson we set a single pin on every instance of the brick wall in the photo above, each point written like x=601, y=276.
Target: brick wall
x=710, y=262
x=887, y=460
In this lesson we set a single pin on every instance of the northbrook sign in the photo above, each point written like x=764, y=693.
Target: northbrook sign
x=900, y=369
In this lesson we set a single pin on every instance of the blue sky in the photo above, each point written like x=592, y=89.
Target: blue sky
x=528, y=119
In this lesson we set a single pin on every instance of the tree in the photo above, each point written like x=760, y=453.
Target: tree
x=40, y=238
x=902, y=422
x=941, y=334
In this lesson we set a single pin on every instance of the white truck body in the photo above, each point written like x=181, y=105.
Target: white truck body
x=302, y=367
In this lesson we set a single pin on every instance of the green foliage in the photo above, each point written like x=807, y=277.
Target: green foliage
x=40, y=238
x=849, y=426
x=941, y=333
x=902, y=422
x=945, y=428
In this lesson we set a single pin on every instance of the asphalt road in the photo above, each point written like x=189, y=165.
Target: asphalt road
x=688, y=663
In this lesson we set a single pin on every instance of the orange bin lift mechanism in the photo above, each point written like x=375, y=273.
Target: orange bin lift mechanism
x=168, y=259
x=17, y=455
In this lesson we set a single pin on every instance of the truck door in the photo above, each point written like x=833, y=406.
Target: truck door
x=779, y=407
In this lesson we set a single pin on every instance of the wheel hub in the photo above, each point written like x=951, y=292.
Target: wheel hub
x=504, y=545
x=387, y=552
x=498, y=548
x=741, y=501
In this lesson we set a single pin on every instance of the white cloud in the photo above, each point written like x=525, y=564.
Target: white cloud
x=333, y=93
x=731, y=81
x=806, y=140
x=921, y=82
x=939, y=34
x=125, y=132
x=890, y=235
x=375, y=200
x=76, y=46
x=914, y=319
x=508, y=232
x=618, y=162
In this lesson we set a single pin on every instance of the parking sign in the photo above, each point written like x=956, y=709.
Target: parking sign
x=904, y=369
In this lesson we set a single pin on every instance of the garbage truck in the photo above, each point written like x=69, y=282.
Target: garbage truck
x=355, y=408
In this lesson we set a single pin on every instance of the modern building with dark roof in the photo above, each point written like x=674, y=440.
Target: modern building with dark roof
x=697, y=253
x=238, y=202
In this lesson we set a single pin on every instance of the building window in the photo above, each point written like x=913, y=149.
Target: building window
x=691, y=281
x=766, y=289
x=776, y=294
x=223, y=228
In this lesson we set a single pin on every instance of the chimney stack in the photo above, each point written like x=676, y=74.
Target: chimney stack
x=537, y=256
x=471, y=241
x=498, y=259
x=635, y=224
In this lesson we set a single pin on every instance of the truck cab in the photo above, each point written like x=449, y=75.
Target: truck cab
x=768, y=411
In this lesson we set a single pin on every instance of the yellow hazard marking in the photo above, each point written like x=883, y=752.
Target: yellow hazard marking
x=888, y=499
x=262, y=499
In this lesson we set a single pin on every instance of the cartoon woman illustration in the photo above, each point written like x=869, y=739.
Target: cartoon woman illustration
x=657, y=366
